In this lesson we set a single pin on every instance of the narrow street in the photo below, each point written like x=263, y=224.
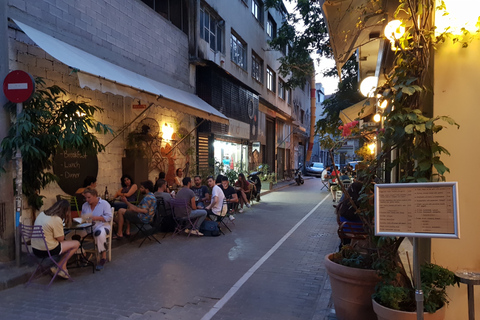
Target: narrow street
x=269, y=267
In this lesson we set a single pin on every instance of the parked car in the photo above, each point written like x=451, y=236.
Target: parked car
x=314, y=169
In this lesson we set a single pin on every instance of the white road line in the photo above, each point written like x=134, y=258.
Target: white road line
x=219, y=305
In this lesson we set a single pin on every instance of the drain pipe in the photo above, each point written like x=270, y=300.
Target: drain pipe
x=312, y=113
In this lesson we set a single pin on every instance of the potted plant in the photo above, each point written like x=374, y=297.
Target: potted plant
x=408, y=132
x=396, y=301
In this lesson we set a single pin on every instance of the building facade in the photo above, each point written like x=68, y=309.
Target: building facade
x=237, y=74
x=180, y=82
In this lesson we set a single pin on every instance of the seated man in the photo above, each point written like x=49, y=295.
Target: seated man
x=161, y=187
x=201, y=192
x=230, y=194
x=185, y=193
x=144, y=213
x=215, y=208
x=326, y=176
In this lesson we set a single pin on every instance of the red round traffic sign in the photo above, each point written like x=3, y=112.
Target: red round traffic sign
x=18, y=86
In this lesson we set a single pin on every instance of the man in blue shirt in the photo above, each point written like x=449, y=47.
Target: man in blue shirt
x=201, y=192
x=143, y=213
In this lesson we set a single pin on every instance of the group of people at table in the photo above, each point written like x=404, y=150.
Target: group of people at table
x=332, y=175
x=201, y=201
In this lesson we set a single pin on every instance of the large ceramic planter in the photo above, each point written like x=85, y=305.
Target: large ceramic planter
x=352, y=290
x=384, y=313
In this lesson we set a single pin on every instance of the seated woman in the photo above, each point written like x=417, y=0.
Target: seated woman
x=51, y=221
x=162, y=176
x=178, y=178
x=243, y=191
x=89, y=182
x=101, y=214
x=128, y=190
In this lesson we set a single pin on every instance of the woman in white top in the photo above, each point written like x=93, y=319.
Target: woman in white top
x=101, y=214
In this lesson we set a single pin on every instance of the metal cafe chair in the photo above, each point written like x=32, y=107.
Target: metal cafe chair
x=226, y=212
x=73, y=203
x=36, y=232
x=147, y=229
x=182, y=222
x=163, y=213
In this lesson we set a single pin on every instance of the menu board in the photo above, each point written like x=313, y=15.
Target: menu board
x=72, y=167
x=425, y=210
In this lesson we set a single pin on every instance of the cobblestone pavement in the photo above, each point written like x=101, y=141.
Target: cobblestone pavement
x=270, y=265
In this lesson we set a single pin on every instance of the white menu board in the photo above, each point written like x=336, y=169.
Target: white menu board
x=423, y=210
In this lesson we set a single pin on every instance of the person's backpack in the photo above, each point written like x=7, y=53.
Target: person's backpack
x=209, y=228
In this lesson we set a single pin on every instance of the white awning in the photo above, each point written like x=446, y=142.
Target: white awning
x=350, y=24
x=93, y=65
x=359, y=110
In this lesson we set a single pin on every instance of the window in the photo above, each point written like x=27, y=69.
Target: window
x=238, y=51
x=271, y=79
x=271, y=27
x=257, y=10
x=173, y=10
x=281, y=89
x=211, y=30
x=289, y=96
x=257, y=67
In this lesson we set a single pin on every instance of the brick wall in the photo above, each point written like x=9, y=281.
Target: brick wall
x=25, y=55
x=125, y=32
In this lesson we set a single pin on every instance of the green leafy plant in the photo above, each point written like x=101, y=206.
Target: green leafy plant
x=435, y=280
x=47, y=125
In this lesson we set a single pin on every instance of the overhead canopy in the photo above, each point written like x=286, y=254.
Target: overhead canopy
x=95, y=67
x=350, y=24
x=359, y=110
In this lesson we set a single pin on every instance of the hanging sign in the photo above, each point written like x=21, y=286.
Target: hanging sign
x=423, y=210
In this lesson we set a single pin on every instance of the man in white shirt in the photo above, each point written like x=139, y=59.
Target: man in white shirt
x=216, y=204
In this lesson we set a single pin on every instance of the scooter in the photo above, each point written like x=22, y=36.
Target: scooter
x=253, y=178
x=298, y=176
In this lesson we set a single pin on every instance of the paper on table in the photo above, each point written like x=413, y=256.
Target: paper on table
x=77, y=220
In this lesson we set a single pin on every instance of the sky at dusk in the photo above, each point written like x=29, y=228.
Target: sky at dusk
x=329, y=84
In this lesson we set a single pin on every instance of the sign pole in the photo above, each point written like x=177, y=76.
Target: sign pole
x=18, y=183
x=18, y=87
x=417, y=279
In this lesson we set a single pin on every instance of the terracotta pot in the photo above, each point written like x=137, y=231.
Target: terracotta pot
x=352, y=290
x=384, y=313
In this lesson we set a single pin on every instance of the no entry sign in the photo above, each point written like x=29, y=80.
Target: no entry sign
x=18, y=86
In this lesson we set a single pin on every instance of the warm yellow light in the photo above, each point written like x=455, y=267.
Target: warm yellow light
x=461, y=14
x=368, y=86
x=167, y=132
x=383, y=105
x=376, y=117
x=394, y=30
x=372, y=146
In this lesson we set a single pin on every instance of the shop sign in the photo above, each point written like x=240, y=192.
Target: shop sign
x=239, y=129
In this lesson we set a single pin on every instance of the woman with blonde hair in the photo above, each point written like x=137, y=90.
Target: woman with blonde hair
x=51, y=221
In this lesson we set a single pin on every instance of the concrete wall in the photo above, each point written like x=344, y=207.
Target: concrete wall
x=457, y=74
x=238, y=16
x=125, y=32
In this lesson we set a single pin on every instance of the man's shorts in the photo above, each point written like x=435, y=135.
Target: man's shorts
x=132, y=216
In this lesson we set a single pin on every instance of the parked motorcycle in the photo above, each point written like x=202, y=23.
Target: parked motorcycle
x=253, y=178
x=298, y=176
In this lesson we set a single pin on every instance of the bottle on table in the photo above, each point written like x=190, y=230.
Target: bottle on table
x=106, y=194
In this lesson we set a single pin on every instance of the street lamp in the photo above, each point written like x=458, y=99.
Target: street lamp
x=368, y=86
